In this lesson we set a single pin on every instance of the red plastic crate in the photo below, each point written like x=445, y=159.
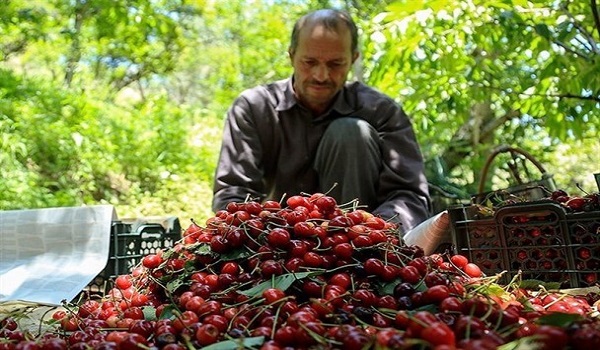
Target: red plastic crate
x=540, y=239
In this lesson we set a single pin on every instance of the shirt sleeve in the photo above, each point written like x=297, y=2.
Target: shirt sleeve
x=238, y=174
x=403, y=188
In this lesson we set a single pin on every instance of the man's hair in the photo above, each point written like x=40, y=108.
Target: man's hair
x=330, y=19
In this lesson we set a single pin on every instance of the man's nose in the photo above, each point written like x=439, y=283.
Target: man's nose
x=320, y=72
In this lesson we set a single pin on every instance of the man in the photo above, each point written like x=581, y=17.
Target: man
x=316, y=132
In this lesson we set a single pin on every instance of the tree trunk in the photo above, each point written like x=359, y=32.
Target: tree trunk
x=477, y=132
x=80, y=10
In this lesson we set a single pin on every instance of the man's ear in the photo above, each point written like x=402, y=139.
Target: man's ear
x=355, y=57
x=291, y=55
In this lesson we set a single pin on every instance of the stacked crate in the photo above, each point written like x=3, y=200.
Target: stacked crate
x=541, y=239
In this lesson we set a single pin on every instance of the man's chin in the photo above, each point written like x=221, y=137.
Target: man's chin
x=320, y=99
x=321, y=94
x=320, y=88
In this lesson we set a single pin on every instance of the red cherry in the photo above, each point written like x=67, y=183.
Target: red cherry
x=305, y=229
x=219, y=244
x=270, y=268
x=193, y=303
x=551, y=337
x=576, y=203
x=133, y=341
x=378, y=236
x=278, y=238
x=54, y=343
x=341, y=279
x=312, y=289
x=299, y=214
x=123, y=282
x=232, y=207
x=373, y=266
x=186, y=319
x=144, y=328
x=326, y=204
x=298, y=201
x=459, y=261
x=253, y=207
x=151, y=261
x=420, y=320
x=285, y=335
x=273, y=295
x=473, y=270
x=236, y=237
x=271, y=205
x=438, y=333
x=218, y=320
x=364, y=297
x=436, y=294
x=362, y=241
x=451, y=304
x=410, y=274
x=312, y=259
x=231, y=268
x=420, y=265
x=207, y=334
x=390, y=273
x=375, y=222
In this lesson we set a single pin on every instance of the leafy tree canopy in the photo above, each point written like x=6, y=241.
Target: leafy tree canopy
x=122, y=102
x=478, y=74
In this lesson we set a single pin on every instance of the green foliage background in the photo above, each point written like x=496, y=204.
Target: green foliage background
x=122, y=102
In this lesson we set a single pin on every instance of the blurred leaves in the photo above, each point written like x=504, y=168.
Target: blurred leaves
x=123, y=102
x=477, y=74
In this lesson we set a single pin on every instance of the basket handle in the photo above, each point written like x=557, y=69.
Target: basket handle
x=549, y=212
x=505, y=149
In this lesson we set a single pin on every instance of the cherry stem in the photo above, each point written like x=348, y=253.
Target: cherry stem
x=581, y=188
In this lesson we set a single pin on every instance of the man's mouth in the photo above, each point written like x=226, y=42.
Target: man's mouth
x=318, y=86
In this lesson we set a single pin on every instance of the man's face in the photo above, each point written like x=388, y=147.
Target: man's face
x=321, y=64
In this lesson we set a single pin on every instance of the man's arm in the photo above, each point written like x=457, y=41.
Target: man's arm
x=238, y=173
x=403, y=188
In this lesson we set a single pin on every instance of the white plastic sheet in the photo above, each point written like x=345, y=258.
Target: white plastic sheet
x=431, y=233
x=50, y=255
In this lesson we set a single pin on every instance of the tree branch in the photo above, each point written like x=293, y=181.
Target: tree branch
x=558, y=96
x=461, y=143
x=570, y=50
x=589, y=45
x=13, y=47
x=595, y=15
x=74, y=56
x=565, y=96
x=581, y=29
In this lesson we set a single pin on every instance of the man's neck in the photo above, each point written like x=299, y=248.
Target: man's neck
x=315, y=110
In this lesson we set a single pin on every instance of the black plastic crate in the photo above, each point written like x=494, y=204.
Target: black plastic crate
x=540, y=239
x=130, y=241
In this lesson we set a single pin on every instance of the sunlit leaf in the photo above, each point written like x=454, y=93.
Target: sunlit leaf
x=437, y=5
x=149, y=312
x=235, y=254
x=282, y=282
x=169, y=311
x=524, y=343
x=242, y=343
x=535, y=284
x=542, y=29
x=560, y=319
x=405, y=8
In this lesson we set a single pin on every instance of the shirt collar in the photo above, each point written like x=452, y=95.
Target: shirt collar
x=289, y=99
x=343, y=104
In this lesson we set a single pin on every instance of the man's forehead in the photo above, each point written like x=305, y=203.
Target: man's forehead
x=320, y=29
x=320, y=35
